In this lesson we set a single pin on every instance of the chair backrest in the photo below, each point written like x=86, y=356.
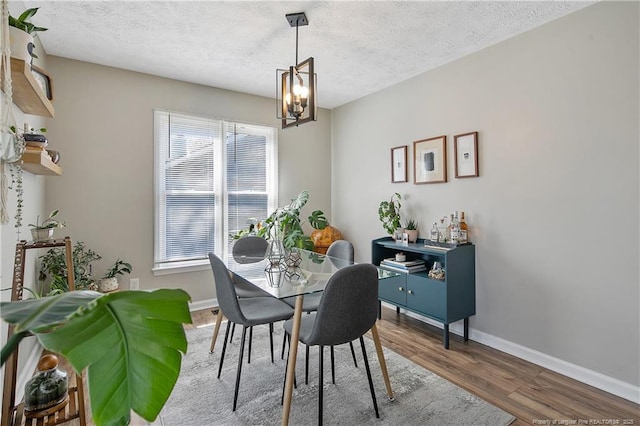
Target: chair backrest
x=249, y=249
x=348, y=307
x=225, y=291
x=342, y=249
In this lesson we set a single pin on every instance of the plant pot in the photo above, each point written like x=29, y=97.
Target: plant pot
x=19, y=42
x=322, y=238
x=413, y=235
x=106, y=285
x=42, y=234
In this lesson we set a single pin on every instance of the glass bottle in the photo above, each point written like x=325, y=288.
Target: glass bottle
x=464, y=230
x=455, y=229
x=49, y=387
x=448, y=237
x=442, y=230
x=435, y=234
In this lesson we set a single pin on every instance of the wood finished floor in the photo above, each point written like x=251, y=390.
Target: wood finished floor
x=529, y=392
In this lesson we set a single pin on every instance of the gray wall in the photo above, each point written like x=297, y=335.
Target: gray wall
x=554, y=213
x=104, y=132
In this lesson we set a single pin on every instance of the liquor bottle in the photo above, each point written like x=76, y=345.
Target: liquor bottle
x=442, y=230
x=455, y=229
x=464, y=230
x=435, y=234
x=448, y=237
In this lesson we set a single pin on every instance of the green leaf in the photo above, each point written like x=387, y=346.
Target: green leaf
x=130, y=342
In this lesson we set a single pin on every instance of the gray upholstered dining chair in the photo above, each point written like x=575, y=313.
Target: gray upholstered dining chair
x=245, y=312
x=348, y=309
x=339, y=249
x=249, y=249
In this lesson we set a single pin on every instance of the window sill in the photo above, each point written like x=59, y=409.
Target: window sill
x=181, y=267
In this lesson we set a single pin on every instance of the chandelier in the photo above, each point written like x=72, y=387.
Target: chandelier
x=296, y=86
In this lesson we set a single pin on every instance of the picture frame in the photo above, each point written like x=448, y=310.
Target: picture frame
x=465, y=151
x=43, y=80
x=399, y=172
x=430, y=160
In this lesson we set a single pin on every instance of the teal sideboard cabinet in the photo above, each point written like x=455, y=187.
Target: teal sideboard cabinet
x=446, y=301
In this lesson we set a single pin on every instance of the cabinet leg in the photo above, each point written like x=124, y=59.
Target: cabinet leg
x=379, y=310
x=397, y=310
x=445, y=336
x=466, y=329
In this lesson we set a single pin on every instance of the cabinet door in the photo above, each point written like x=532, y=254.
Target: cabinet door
x=427, y=296
x=393, y=290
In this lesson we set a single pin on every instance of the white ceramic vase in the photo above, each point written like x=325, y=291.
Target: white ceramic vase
x=106, y=285
x=19, y=44
x=42, y=234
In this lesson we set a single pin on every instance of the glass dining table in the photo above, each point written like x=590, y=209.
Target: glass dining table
x=301, y=272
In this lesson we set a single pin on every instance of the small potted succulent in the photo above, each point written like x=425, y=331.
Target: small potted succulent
x=411, y=228
x=44, y=231
x=109, y=281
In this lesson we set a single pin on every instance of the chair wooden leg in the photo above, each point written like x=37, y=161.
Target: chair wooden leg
x=224, y=348
x=235, y=394
x=216, y=329
x=353, y=354
x=320, y=382
x=366, y=365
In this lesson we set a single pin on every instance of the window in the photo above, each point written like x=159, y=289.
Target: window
x=211, y=177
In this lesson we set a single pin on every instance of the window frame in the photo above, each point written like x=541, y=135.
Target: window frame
x=220, y=191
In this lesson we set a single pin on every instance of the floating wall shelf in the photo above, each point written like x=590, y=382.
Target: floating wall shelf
x=27, y=93
x=38, y=162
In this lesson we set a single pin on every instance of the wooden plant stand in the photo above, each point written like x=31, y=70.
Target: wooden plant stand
x=14, y=414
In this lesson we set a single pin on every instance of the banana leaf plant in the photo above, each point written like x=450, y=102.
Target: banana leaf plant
x=130, y=343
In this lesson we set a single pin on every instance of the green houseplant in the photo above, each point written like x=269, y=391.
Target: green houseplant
x=136, y=334
x=53, y=265
x=109, y=281
x=44, y=231
x=21, y=32
x=389, y=213
x=285, y=223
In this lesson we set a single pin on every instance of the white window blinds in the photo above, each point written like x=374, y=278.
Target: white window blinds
x=211, y=178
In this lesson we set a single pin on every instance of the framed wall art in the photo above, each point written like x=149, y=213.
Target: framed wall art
x=465, y=148
x=43, y=80
x=430, y=160
x=399, y=164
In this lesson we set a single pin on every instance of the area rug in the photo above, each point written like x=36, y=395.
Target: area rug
x=421, y=397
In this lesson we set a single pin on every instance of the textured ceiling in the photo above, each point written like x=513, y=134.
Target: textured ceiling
x=359, y=47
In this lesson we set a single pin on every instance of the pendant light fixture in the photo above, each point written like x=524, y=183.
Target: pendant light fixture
x=296, y=86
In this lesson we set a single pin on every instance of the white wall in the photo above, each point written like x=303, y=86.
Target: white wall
x=554, y=214
x=104, y=132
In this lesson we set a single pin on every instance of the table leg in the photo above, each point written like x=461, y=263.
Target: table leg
x=219, y=318
x=383, y=363
x=293, y=353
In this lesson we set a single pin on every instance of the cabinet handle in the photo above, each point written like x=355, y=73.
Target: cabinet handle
x=410, y=291
x=400, y=289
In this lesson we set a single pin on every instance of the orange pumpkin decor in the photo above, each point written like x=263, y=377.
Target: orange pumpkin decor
x=322, y=238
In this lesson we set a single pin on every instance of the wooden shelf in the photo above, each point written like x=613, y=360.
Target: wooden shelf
x=27, y=93
x=38, y=162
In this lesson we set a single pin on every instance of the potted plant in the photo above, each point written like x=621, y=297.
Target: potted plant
x=44, y=231
x=323, y=234
x=109, y=281
x=21, y=35
x=284, y=224
x=129, y=323
x=389, y=214
x=53, y=265
x=411, y=228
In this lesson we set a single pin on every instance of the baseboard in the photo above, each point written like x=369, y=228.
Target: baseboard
x=203, y=304
x=576, y=372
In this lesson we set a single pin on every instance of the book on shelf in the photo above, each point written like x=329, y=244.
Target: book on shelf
x=406, y=269
x=403, y=264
